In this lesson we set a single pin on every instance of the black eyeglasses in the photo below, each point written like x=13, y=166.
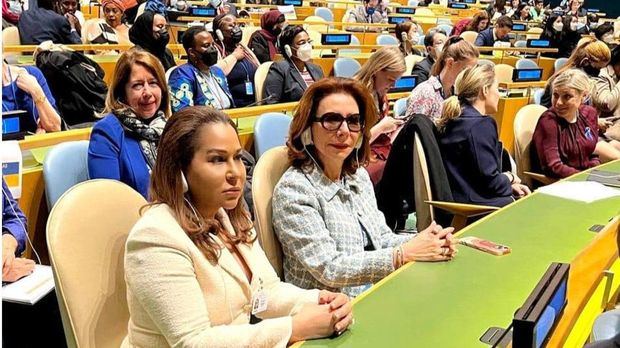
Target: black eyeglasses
x=332, y=121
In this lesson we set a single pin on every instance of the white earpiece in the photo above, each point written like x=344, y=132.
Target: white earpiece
x=359, y=143
x=184, y=183
x=403, y=36
x=288, y=51
x=219, y=35
x=306, y=137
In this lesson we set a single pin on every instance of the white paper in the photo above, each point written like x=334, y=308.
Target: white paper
x=582, y=191
x=30, y=289
x=288, y=12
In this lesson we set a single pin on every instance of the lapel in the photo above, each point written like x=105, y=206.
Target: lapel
x=297, y=77
x=228, y=262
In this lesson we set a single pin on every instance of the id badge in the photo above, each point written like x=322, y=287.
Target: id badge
x=249, y=88
x=259, y=302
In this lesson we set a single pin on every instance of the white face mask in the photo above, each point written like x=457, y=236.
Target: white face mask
x=304, y=52
x=579, y=25
x=438, y=50
x=558, y=26
x=414, y=38
x=608, y=38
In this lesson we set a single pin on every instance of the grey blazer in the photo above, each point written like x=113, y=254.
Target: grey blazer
x=285, y=84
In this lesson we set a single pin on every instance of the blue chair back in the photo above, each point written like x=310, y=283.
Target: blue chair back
x=324, y=13
x=346, y=67
x=65, y=165
x=526, y=64
x=446, y=28
x=538, y=94
x=386, y=39
x=354, y=42
x=270, y=130
x=521, y=43
x=400, y=107
x=606, y=326
x=559, y=63
x=413, y=3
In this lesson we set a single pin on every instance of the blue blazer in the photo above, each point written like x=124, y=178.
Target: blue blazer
x=114, y=154
x=485, y=38
x=472, y=156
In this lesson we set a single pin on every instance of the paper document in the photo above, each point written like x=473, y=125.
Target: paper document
x=582, y=191
x=288, y=12
x=30, y=289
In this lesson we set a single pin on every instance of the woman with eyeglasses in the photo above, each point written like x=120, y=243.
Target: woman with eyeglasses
x=427, y=98
x=324, y=209
x=149, y=32
x=112, y=30
x=235, y=59
x=289, y=78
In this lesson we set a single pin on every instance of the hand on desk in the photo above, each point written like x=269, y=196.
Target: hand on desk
x=19, y=268
x=322, y=319
x=520, y=190
x=435, y=243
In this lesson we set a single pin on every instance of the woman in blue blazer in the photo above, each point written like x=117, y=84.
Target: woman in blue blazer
x=123, y=145
x=471, y=150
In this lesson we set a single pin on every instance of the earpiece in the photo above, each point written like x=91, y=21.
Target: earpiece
x=288, y=51
x=403, y=36
x=359, y=143
x=219, y=35
x=184, y=183
x=306, y=137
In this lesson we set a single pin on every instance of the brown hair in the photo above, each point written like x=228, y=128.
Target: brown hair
x=475, y=21
x=456, y=48
x=305, y=113
x=503, y=22
x=592, y=49
x=177, y=147
x=404, y=27
x=116, y=98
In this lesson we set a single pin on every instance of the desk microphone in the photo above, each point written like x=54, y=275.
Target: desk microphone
x=260, y=102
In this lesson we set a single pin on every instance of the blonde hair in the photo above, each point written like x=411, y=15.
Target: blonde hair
x=387, y=59
x=592, y=49
x=573, y=78
x=467, y=89
x=456, y=48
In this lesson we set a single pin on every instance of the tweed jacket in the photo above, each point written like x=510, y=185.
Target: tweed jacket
x=177, y=298
x=332, y=234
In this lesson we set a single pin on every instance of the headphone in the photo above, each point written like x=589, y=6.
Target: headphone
x=403, y=36
x=219, y=35
x=288, y=51
x=184, y=183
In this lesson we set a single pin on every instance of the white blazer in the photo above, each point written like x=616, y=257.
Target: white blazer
x=178, y=298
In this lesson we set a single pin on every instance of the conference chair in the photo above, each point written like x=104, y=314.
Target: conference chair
x=446, y=28
x=538, y=94
x=65, y=165
x=270, y=130
x=169, y=72
x=526, y=64
x=606, y=325
x=425, y=12
x=559, y=63
x=86, y=234
x=86, y=28
x=521, y=43
x=350, y=51
x=533, y=33
x=413, y=3
x=346, y=67
x=447, y=21
x=386, y=40
x=315, y=26
x=10, y=36
x=400, y=107
x=410, y=61
x=259, y=80
x=469, y=36
x=141, y=9
x=325, y=13
x=524, y=126
x=248, y=31
x=268, y=171
x=424, y=203
x=503, y=73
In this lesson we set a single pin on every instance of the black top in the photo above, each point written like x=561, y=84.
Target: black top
x=422, y=69
x=38, y=24
x=141, y=35
x=239, y=76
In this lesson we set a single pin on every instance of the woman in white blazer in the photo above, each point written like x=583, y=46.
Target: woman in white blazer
x=194, y=271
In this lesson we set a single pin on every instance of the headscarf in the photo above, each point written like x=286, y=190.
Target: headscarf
x=141, y=34
x=115, y=3
x=267, y=21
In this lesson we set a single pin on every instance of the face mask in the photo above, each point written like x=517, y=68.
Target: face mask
x=558, y=26
x=608, y=38
x=304, y=52
x=276, y=31
x=370, y=10
x=579, y=26
x=236, y=35
x=163, y=37
x=591, y=71
x=209, y=56
x=414, y=38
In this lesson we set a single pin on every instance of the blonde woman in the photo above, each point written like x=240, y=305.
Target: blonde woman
x=378, y=75
x=566, y=135
x=471, y=151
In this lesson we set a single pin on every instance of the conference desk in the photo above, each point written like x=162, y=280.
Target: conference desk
x=452, y=304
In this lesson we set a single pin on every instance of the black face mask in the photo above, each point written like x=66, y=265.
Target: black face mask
x=163, y=38
x=591, y=71
x=276, y=31
x=209, y=56
x=236, y=35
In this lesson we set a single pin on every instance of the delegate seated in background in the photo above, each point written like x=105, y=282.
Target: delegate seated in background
x=13, y=239
x=554, y=32
x=606, y=98
x=123, y=145
x=470, y=148
x=324, y=208
x=263, y=42
x=41, y=23
x=199, y=81
x=287, y=79
x=149, y=33
x=70, y=9
x=433, y=43
x=570, y=36
x=427, y=98
x=194, y=269
x=371, y=11
x=112, y=30
x=498, y=32
x=566, y=134
x=478, y=23
x=408, y=36
x=378, y=75
x=235, y=59
x=26, y=89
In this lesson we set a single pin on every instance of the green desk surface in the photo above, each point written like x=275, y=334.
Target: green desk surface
x=452, y=304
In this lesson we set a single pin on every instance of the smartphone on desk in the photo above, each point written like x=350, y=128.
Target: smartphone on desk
x=485, y=245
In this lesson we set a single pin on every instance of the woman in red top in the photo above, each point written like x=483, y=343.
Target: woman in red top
x=478, y=23
x=567, y=133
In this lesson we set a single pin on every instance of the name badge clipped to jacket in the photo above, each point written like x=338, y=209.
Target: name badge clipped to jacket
x=259, y=300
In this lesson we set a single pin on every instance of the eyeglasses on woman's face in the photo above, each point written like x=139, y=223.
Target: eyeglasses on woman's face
x=332, y=121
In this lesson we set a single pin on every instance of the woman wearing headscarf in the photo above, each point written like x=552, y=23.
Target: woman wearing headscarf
x=149, y=33
x=112, y=30
x=263, y=42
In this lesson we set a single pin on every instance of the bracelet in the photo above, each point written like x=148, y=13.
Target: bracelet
x=512, y=177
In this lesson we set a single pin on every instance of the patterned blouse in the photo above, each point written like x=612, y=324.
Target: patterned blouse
x=188, y=86
x=426, y=99
x=332, y=234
